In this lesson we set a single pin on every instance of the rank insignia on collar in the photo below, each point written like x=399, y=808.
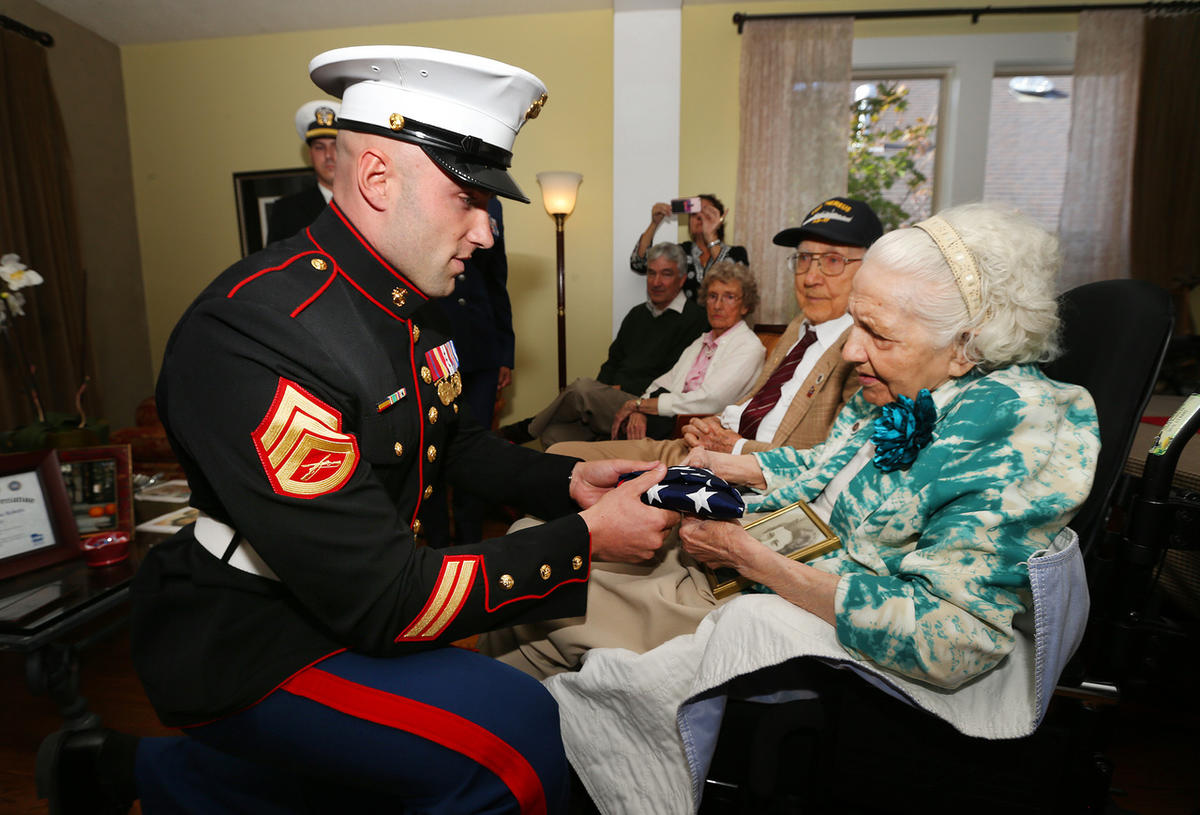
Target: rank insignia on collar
x=443, y=361
x=302, y=447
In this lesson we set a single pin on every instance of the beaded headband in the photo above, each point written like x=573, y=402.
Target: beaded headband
x=962, y=262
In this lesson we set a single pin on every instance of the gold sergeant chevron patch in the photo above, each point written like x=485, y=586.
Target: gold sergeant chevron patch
x=448, y=597
x=301, y=444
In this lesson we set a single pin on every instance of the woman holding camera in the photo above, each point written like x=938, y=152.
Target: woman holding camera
x=707, y=246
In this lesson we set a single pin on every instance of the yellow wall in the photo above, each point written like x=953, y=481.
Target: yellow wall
x=200, y=111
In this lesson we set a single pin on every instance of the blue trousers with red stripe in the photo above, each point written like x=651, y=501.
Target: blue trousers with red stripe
x=444, y=731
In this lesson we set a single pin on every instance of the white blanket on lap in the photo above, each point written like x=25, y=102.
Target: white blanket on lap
x=640, y=729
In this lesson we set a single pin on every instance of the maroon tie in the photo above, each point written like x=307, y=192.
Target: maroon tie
x=768, y=394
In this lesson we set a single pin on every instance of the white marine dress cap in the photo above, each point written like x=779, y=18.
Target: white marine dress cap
x=464, y=111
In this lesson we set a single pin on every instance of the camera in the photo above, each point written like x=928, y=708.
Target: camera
x=685, y=205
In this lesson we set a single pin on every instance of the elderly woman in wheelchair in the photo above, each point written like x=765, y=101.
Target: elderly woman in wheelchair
x=949, y=479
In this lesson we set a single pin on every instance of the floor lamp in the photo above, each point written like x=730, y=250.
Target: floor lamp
x=559, y=189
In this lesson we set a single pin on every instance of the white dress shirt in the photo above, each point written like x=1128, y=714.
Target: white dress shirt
x=827, y=333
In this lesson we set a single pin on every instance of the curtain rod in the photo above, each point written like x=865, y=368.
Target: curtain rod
x=25, y=31
x=740, y=19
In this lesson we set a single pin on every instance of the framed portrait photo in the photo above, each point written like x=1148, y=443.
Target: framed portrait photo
x=99, y=483
x=255, y=193
x=794, y=532
x=37, y=527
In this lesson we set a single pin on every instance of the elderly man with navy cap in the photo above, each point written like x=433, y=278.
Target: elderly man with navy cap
x=298, y=632
x=316, y=125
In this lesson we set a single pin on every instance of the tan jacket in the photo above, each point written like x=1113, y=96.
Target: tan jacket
x=828, y=386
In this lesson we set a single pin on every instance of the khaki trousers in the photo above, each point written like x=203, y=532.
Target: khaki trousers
x=669, y=452
x=584, y=410
x=630, y=606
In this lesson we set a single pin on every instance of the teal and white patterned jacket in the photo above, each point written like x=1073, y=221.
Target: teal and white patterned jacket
x=933, y=558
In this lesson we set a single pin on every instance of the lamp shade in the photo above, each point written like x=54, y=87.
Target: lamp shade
x=559, y=188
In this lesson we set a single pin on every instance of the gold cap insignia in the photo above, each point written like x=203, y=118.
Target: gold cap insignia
x=536, y=107
x=324, y=116
x=396, y=121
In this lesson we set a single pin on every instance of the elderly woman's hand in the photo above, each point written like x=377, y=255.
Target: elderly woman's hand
x=734, y=469
x=718, y=543
x=727, y=544
x=707, y=432
x=658, y=212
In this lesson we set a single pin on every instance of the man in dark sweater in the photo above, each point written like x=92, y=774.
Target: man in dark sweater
x=650, y=340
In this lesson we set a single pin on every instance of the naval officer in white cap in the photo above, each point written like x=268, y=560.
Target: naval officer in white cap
x=298, y=631
x=316, y=125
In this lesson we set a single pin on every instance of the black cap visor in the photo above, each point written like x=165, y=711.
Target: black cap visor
x=474, y=174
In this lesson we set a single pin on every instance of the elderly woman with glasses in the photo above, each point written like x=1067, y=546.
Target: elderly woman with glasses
x=716, y=369
x=947, y=478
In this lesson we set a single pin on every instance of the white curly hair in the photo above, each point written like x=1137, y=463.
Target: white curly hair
x=1018, y=264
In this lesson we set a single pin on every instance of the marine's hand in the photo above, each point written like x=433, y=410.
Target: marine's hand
x=592, y=479
x=622, y=528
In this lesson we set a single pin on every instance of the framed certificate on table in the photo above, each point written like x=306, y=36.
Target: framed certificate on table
x=37, y=527
x=794, y=532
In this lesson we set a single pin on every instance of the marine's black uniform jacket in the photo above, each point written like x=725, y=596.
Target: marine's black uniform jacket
x=271, y=392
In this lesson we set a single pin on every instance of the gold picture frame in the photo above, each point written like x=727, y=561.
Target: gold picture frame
x=794, y=532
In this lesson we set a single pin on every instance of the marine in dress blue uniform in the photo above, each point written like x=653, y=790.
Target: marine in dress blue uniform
x=297, y=632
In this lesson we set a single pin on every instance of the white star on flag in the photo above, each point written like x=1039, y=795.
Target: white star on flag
x=653, y=493
x=700, y=499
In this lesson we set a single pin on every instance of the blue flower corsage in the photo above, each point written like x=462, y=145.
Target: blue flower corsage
x=903, y=430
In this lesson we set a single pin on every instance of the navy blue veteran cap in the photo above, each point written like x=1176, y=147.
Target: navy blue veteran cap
x=464, y=111
x=836, y=220
x=317, y=119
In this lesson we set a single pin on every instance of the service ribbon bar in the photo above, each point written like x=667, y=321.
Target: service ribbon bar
x=391, y=400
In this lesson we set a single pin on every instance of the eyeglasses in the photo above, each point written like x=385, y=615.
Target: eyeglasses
x=831, y=264
x=729, y=298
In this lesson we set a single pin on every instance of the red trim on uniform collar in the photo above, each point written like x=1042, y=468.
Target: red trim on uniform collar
x=370, y=249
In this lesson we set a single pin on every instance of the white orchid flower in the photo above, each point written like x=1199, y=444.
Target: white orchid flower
x=16, y=274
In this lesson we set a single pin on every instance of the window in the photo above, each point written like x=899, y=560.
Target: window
x=1027, y=144
x=893, y=146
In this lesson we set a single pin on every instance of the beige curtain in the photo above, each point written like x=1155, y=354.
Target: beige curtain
x=795, y=114
x=38, y=222
x=1166, y=168
x=1098, y=196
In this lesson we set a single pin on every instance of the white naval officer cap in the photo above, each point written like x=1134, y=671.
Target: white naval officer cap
x=464, y=111
x=317, y=119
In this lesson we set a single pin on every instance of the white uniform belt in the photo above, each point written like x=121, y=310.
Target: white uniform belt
x=215, y=537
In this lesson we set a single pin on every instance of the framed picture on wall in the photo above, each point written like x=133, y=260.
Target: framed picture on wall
x=255, y=193
x=37, y=527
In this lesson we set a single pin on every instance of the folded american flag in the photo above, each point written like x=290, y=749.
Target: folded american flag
x=695, y=491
